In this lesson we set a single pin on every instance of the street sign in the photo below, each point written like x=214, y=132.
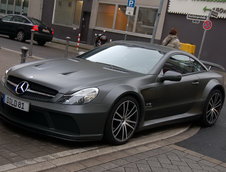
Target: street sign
x=196, y=17
x=130, y=7
x=207, y=25
x=131, y=3
x=214, y=14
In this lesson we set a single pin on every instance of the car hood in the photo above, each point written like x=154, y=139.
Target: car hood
x=66, y=75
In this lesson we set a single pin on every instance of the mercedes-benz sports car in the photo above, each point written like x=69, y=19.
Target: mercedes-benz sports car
x=111, y=92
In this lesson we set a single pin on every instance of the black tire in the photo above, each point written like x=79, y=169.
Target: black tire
x=122, y=121
x=20, y=36
x=212, y=108
x=42, y=43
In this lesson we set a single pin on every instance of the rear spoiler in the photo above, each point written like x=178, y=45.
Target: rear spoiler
x=212, y=65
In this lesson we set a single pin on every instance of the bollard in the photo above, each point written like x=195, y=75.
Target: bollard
x=31, y=43
x=67, y=45
x=78, y=42
x=24, y=51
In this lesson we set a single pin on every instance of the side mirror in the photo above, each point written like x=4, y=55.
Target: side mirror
x=170, y=76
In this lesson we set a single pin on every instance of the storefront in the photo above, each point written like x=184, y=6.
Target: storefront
x=70, y=17
x=25, y=7
x=192, y=31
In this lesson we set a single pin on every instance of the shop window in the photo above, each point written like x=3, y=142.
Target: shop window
x=141, y=22
x=68, y=12
x=3, y=6
x=122, y=19
x=17, y=9
x=10, y=6
x=146, y=20
x=14, y=6
x=105, y=16
x=25, y=7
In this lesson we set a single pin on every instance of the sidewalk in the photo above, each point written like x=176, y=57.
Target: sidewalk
x=157, y=153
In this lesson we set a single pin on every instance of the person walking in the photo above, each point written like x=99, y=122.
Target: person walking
x=172, y=39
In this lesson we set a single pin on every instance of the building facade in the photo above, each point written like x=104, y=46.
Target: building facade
x=70, y=17
x=32, y=8
x=214, y=49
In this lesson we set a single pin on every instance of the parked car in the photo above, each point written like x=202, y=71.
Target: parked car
x=111, y=92
x=19, y=27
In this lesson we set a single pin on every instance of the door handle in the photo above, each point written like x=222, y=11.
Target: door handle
x=195, y=83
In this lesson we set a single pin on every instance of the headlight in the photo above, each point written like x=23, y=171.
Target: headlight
x=6, y=75
x=80, y=97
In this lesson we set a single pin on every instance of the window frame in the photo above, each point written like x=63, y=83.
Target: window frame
x=14, y=5
x=133, y=33
x=189, y=73
x=74, y=26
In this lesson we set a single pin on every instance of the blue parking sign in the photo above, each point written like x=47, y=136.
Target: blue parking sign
x=131, y=3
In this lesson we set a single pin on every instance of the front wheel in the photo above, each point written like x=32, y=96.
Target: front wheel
x=212, y=108
x=123, y=121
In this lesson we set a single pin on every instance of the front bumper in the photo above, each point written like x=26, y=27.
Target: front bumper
x=68, y=122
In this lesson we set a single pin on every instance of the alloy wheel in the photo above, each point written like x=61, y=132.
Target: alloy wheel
x=214, y=107
x=124, y=121
x=20, y=36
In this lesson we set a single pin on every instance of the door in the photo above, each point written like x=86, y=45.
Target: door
x=5, y=24
x=170, y=98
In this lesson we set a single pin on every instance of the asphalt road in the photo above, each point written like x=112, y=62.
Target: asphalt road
x=210, y=141
x=47, y=51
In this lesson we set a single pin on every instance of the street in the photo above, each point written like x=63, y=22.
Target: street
x=18, y=145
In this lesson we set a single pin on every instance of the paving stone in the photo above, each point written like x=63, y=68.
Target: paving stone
x=156, y=169
x=154, y=164
x=119, y=169
x=108, y=165
x=185, y=169
x=170, y=166
x=95, y=169
x=143, y=167
x=181, y=163
x=120, y=162
x=127, y=169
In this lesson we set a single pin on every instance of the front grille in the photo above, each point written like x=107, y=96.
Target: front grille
x=35, y=91
x=45, y=119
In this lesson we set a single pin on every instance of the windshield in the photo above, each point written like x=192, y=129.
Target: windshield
x=135, y=59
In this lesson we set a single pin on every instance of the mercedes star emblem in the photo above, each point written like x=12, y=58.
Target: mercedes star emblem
x=22, y=87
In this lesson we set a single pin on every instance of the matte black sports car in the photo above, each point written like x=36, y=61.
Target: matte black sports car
x=19, y=27
x=111, y=92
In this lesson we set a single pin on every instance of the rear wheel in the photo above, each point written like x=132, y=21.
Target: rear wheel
x=122, y=121
x=20, y=36
x=41, y=43
x=212, y=108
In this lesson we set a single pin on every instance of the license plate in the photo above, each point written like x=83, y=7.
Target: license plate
x=16, y=103
x=45, y=30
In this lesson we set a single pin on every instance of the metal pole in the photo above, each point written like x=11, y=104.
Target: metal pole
x=127, y=27
x=24, y=51
x=67, y=45
x=203, y=39
x=31, y=43
x=157, y=21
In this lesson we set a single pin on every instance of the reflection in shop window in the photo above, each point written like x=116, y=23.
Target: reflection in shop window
x=10, y=6
x=105, y=15
x=17, y=9
x=3, y=6
x=122, y=19
x=68, y=12
x=146, y=20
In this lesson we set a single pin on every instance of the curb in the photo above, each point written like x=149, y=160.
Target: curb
x=157, y=139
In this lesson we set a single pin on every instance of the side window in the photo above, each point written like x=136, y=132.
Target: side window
x=182, y=64
x=7, y=18
x=20, y=19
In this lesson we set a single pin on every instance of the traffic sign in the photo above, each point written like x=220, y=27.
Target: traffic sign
x=130, y=7
x=196, y=17
x=131, y=3
x=214, y=14
x=207, y=25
